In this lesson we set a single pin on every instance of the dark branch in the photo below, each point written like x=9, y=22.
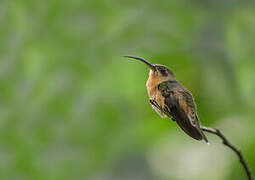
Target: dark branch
x=231, y=146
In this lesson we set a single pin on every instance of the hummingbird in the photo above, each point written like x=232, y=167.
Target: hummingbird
x=169, y=98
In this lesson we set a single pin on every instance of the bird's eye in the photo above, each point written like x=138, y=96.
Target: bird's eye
x=163, y=72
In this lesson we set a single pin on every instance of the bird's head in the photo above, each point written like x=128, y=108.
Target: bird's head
x=157, y=71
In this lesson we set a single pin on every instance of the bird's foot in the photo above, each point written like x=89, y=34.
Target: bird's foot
x=154, y=103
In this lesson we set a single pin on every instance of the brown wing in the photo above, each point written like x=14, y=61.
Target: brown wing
x=180, y=104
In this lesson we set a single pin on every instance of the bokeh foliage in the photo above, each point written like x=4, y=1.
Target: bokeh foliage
x=73, y=108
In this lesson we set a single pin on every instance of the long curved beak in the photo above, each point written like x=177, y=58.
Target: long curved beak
x=151, y=66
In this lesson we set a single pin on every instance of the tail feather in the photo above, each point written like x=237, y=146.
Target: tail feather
x=203, y=136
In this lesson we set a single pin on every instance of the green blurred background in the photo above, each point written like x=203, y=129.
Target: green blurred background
x=73, y=108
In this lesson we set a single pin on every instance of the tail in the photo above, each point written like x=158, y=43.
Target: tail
x=204, y=137
x=201, y=131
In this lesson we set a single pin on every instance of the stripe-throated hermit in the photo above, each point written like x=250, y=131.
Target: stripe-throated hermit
x=170, y=99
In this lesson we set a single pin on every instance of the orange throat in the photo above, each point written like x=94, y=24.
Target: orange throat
x=152, y=84
x=154, y=93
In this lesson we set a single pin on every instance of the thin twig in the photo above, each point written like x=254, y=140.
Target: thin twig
x=231, y=146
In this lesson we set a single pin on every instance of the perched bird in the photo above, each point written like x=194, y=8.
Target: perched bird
x=169, y=98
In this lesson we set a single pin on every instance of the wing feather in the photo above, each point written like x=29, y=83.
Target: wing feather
x=180, y=104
